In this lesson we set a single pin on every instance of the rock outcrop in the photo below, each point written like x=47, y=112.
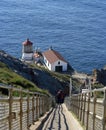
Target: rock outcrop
x=99, y=76
x=41, y=78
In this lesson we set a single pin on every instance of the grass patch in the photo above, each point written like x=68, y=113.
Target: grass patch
x=7, y=76
x=59, y=76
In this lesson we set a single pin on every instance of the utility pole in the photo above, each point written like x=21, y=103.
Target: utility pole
x=89, y=84
x=70, y=88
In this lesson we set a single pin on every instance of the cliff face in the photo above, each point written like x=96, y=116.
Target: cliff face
x=16, y=65
x=40, y=77
x=99, y=76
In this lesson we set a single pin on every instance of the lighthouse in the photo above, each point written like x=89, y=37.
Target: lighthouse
x=27, y=51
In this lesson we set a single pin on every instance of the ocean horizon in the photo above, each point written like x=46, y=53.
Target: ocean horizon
x=76, y=29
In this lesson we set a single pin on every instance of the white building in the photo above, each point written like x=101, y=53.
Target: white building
x=54, y=61
x=27, y=51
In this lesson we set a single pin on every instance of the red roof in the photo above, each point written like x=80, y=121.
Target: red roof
x=52, y=56
x=27, y=42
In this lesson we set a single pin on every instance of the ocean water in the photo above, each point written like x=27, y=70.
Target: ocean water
x=75, y=28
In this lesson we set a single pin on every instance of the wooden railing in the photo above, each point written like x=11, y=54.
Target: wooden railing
x=90, y=108
x=19, y=112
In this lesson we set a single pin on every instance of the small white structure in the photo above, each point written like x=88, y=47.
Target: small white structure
x=54, y=61
x=38, y=59
x=27, y=51
x=87, y=85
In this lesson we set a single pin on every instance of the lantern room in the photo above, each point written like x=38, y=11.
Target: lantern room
x=27, y=50
x=27, y=46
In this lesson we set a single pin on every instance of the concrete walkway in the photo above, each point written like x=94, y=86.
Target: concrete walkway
x=58, y=119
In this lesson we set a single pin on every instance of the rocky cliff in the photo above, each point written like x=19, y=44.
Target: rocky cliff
x=99, y=76
x=39, y=76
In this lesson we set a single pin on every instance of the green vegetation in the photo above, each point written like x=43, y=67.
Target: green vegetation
x=97, y=85
x=9, y=77
x=99, y=94
x=62, y=77
x=76, y=83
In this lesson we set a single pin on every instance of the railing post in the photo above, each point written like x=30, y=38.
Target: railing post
x=46, y=105
x=10, y=108
x=88, y=111
x=75, y=105
x=81, y=106
x=72, y=103
x=84, y=103
x=42, y=104
x=104, y=111
x=28, y=110
x=78, y=105
x=94, y=108
x=33, y=108
x=21, y=113
x=37, y=107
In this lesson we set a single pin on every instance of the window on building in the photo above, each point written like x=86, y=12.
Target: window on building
x=59, y=63
x=45, y=61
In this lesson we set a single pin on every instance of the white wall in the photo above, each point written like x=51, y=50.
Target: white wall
x=52, y=66
x=47, y=63
x=62, y=63
x=27, y=56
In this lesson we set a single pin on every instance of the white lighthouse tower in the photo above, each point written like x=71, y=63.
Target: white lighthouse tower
x=27, y=51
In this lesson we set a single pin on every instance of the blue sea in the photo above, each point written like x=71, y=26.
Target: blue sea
x=75, y=28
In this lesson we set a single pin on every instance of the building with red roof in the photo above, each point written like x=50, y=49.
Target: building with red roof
x=54, y=61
